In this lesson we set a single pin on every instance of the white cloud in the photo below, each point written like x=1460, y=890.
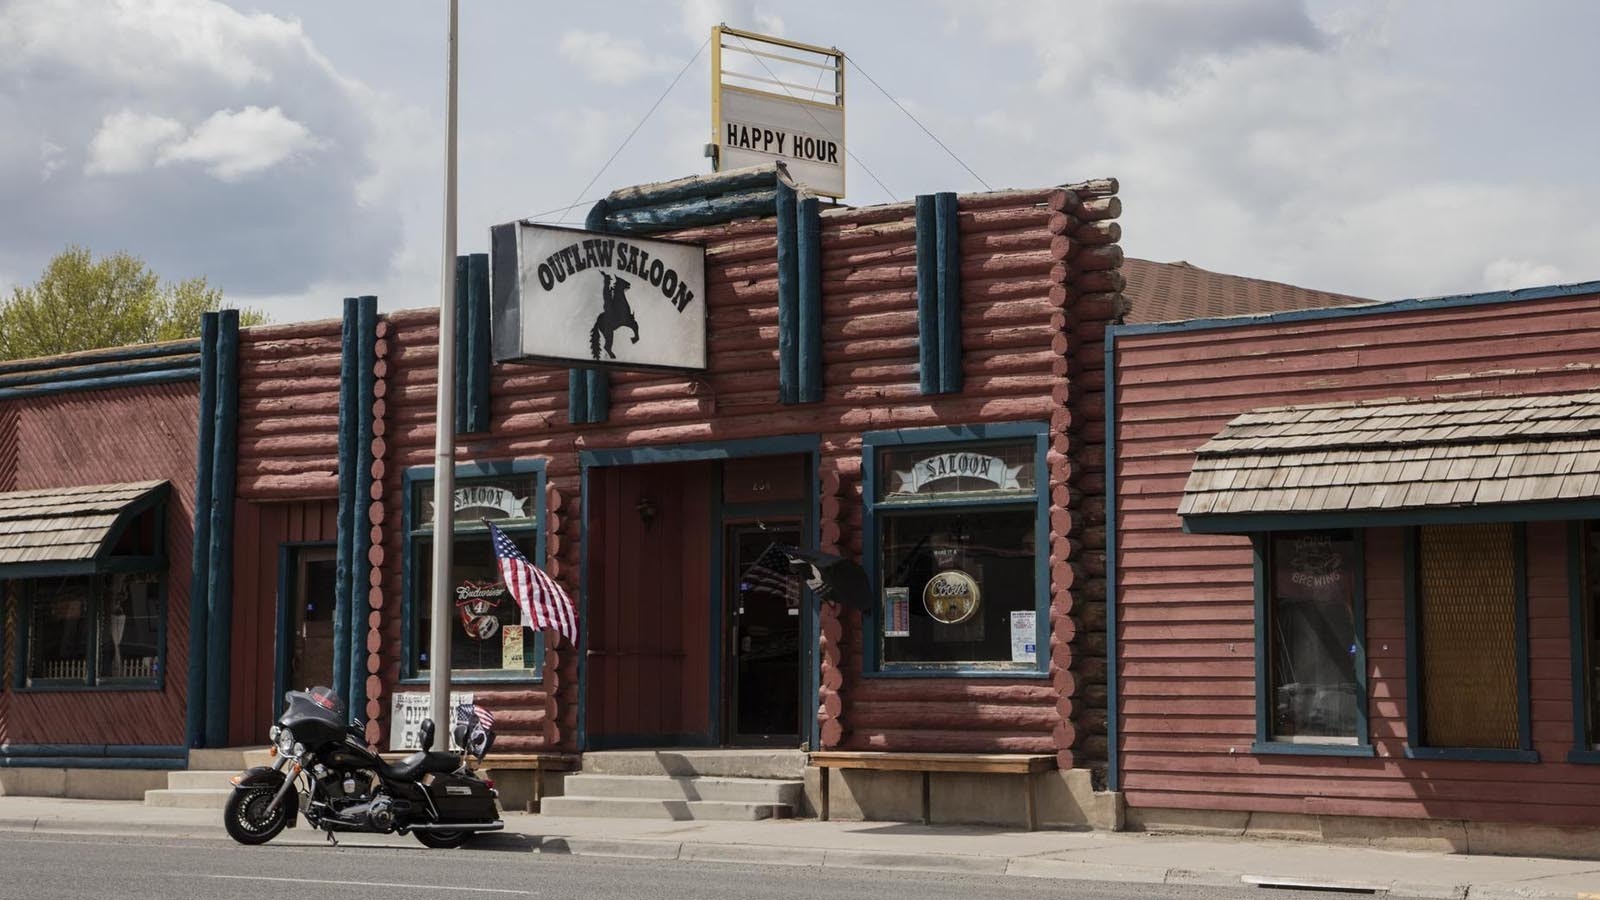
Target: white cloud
x=233, y=144
x=50, y=160
x=1508, y=274
x=128, y=142
x=609, y=59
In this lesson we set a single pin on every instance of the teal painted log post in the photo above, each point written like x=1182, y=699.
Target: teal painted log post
x=577, y=396
x=478, y=352
x=361, y=462
x=788, y=296
x=809, y=263
x=461, y=381
x=200, y=560
x=949, y=240
x=219, y=577
x=599, y=394
x=927, y=295
x=344, y=556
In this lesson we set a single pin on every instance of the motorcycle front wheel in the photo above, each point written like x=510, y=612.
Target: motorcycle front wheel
x=247, y=819
x=442, y=840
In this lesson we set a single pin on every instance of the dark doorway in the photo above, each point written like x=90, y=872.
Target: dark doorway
x=308, y=619
x=763, y=650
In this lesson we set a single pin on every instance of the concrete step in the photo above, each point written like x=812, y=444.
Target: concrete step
x=230, y=758
x=188, y=798
x=196, y=779
x=780, y=764
x=679, y=810
x=669, y=787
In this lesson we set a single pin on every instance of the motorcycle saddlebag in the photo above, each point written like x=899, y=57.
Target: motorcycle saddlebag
x=462, y=799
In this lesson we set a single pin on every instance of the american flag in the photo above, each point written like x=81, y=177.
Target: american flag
x=770, y=575
x=543, y=601
x=466, y=713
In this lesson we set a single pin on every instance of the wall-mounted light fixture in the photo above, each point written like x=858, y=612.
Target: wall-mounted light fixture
x=647, y=510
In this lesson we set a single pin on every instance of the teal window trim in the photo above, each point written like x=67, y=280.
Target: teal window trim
x=1261, y=547
x=956, y=437
x=1585, y=731
x=416, y=534
x=1524, y=752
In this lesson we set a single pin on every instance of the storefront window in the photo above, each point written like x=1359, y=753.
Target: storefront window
x=1313, y=637
x=488, y=637
x=956, y=555
x=93, y=630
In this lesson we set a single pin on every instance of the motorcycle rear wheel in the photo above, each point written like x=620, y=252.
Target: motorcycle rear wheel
x=246, y=817
x=442, y=840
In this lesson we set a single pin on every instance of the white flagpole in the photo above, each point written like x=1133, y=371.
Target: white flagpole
x=444, y=473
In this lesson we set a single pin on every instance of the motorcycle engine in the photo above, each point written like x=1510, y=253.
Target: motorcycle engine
x=355, y=799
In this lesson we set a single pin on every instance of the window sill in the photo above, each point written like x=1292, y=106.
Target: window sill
x=1584, y=756
x=79, y=688
x=1289, y=748
x=1471, y=754
x=456, y=680
x=955, y=673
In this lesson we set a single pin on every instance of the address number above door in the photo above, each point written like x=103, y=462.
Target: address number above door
x=590, y=299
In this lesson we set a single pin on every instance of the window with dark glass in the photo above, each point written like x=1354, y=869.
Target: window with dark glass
x=92, y=630
x=957, y=560
x=488, y=636
x=1312, y=637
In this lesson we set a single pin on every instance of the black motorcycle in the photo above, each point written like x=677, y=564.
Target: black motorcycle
x=323, y=770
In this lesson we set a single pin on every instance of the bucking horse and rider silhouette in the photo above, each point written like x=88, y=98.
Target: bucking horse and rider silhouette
x=616, y=313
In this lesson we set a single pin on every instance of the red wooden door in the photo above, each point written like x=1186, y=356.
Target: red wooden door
x=648, y=675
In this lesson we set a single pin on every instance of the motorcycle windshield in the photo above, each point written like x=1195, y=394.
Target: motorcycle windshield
x=318, y=704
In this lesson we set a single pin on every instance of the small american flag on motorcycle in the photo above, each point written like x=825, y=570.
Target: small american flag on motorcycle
x=467, y=713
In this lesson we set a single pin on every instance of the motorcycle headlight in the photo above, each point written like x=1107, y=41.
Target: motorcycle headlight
x=299, y=750
x=285, y=741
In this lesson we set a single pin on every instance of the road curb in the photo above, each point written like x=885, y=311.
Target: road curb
x=768, y=854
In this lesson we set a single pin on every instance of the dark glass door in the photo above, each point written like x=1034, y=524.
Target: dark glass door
x=763, y=678
x=310, y=645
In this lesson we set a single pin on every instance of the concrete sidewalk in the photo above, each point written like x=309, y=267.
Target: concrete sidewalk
x=1067, y=855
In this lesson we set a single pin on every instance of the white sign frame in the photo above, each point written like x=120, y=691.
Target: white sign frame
x=407, y=709
x=595, y=300
x=800, y=125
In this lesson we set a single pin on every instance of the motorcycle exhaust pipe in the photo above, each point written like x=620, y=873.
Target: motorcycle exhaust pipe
x=465, y=826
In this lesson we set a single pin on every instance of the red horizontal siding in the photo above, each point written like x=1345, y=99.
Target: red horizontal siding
x=102, y=437
x=1185, y=602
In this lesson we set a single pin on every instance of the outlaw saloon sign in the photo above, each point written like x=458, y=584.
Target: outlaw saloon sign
x=588, y=299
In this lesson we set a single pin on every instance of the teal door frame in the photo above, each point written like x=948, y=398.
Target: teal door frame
x=810, y=446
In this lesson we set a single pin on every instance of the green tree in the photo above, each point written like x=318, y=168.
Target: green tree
x=83, y=303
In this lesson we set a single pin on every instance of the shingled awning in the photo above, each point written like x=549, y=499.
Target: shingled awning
x=71, y=529
x=1490, y=459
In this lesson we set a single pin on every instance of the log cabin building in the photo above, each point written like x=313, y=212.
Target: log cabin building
x=921, y=386
x=1355, y=582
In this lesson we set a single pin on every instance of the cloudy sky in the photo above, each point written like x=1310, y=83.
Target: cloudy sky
x=292, y=152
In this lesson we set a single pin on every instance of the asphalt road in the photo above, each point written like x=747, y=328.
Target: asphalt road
x=74, y=867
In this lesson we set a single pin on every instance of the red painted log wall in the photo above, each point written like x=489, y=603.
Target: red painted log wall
x=100, y=437
x=289, y=411
x=1185, y=602
x=1021, y=282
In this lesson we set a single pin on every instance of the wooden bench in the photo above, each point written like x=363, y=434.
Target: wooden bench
x=1026, y=765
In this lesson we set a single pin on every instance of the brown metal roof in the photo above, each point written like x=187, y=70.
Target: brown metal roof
x=1171, y=292
x=71, y=524
x=1399, y=456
